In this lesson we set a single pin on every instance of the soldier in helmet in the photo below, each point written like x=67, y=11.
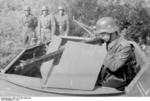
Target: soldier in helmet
x=62, y=22
x=120, y=59
x=46, y=26
x=29, y=24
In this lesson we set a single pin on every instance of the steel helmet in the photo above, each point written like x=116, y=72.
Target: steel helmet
x=106, y=24
x=60, y=8
x=27, y=8
x=44, y=8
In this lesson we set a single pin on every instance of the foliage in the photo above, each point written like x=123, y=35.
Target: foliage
x=137, y=16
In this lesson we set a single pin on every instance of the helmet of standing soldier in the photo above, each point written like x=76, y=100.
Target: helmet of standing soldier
x=60, y=8
x=106, y=24
x=44, y=8
x=27, y=8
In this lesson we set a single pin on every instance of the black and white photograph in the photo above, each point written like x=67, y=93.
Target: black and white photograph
x=74, y=48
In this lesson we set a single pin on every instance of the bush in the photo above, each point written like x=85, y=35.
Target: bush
x=134, y=14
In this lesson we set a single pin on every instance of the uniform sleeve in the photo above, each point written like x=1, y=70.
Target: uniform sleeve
x=39, y=28
x=53, y=25
x=114, y=62
x=67, y=25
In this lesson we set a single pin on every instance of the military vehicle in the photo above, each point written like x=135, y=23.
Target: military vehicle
x=69, y=67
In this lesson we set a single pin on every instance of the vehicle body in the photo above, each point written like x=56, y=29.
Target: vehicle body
x=14, y=84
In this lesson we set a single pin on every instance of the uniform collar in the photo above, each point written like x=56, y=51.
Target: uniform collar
x=44, y=15
x=27, y=15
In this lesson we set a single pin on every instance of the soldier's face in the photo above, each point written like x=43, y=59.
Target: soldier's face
x=27, y=12
x=61, y=12
x=44, y=12
x=105, y=36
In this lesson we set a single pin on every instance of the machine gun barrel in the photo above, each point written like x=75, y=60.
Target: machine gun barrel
x=86, y=40
x=39, y=59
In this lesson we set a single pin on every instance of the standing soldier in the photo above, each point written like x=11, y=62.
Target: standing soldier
x=46, y=26
x=120, y=59
x=29, y=25
x=62, y=22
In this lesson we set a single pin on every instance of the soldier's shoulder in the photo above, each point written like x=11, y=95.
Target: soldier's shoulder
x=124, y=42
x=40, y=17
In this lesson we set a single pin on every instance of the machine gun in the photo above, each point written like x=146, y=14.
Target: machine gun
x=92, y=40
x=44, y=58
x=40, y=59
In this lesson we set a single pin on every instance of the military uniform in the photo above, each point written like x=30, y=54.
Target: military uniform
x=118, y=53
x=29, y=25
x=120, y=61
x=46, y=27
x=62, y=23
